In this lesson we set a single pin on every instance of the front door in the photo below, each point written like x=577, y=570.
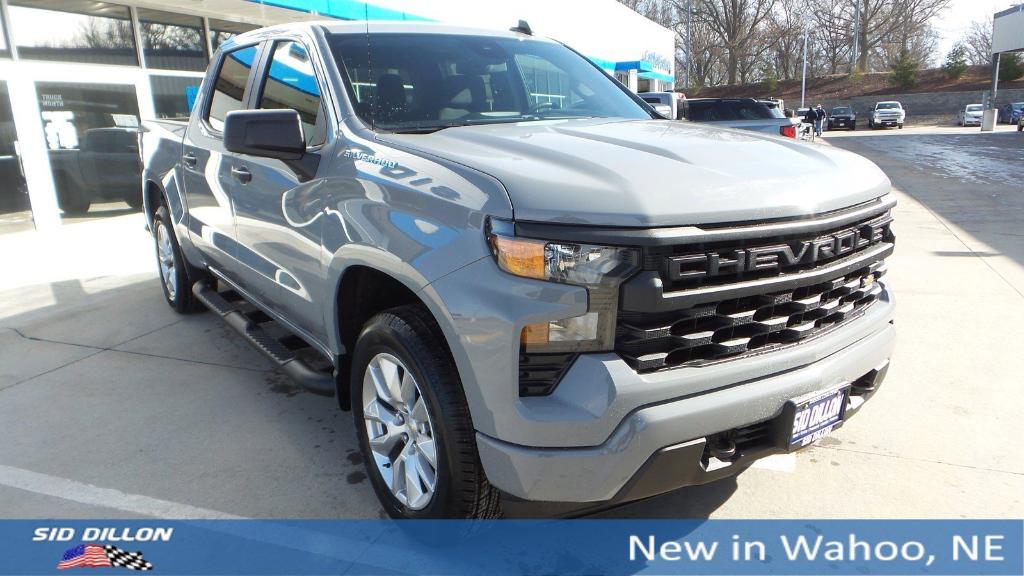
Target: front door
x=278, y=204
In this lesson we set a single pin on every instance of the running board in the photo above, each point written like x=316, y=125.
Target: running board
x=249, y=325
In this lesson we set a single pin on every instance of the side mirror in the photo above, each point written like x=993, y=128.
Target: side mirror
x=267, y=133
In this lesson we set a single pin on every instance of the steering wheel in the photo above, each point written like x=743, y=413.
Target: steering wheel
x=541, y=106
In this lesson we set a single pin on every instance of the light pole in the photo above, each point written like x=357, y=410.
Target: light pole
x=803, y=80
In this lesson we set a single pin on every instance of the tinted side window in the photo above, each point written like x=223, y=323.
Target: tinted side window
x=229, y=88
x=290, y=83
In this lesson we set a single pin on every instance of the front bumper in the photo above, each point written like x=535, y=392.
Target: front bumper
x=660, y=447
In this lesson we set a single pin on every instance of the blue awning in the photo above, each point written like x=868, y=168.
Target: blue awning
x=344, y=9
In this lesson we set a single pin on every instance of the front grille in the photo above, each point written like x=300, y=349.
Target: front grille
x=725, y=262
x=746, y=325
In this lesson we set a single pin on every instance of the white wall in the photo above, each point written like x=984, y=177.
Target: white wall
x=602, y=29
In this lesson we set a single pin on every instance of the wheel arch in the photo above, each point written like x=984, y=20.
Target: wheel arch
x=369, y=281
x=152, y=196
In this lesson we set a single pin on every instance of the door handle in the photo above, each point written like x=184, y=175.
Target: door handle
x=241, y=174
x=190, y=160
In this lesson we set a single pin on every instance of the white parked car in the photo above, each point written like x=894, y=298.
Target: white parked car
x=970, y=114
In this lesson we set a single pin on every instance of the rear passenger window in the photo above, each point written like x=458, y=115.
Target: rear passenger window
x=229, y=89
x=291, y=84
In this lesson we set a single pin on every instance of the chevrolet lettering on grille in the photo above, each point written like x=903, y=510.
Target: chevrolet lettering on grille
x=778, y=256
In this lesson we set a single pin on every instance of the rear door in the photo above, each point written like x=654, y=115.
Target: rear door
x=278, y=205
x=206, y=164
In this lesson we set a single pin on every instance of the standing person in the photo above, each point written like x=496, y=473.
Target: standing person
x=810, y=118
x=819, y=119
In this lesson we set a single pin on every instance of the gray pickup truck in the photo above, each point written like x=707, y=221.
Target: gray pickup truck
x=522, y=282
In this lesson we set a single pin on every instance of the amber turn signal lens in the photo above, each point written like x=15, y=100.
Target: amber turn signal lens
x=535, y=334
x=520, y=257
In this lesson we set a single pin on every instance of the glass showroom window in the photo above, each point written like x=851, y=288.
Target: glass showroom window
x=92, y=135
x=174, y=96
x=73, y=31
x=172, y=41
x=222, y=30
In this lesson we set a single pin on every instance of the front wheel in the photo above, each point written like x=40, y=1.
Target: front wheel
x=412, y=421
x=1020, y=127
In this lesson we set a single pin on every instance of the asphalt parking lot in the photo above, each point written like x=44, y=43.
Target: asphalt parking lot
x=113, y=406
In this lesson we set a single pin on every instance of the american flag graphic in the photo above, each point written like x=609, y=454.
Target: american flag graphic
x=102, y=556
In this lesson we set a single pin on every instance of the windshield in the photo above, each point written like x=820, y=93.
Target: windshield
x=974, y=108
x=427, y=82
x=887, y=106
x=725, y=110
x=1017, y=105
x=841, y=110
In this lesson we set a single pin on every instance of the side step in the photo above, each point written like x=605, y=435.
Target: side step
x=249, y=325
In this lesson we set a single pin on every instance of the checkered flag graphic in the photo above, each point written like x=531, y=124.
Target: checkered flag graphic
x=129, y=560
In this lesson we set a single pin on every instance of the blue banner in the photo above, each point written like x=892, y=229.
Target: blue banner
x=513, y=547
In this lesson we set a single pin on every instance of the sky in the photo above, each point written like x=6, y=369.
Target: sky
x=954, y=20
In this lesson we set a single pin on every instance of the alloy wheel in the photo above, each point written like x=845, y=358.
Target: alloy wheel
x=399, y=431
x=165, y=255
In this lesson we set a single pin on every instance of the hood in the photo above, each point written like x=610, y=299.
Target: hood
x=654, y=173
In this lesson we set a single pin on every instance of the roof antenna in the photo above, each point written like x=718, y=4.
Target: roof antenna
x=523, y=28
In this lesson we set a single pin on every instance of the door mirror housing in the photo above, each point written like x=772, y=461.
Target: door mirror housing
x=267, y=133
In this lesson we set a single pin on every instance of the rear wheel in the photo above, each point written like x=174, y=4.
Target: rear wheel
x=176, y=276
x=413, y=423
x=71, y=199
x=133, y=199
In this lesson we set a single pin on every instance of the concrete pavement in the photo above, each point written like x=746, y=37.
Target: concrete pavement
x=113, y=406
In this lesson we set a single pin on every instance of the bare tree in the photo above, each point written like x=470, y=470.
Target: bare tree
x=785, y=29
x=833, y=25
x=735, y=23
x=978, y=41
x=882, y=20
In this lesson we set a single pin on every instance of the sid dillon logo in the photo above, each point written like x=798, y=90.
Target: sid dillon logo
x=95, y=552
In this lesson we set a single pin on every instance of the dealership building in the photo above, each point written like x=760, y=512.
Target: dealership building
x=77, y=77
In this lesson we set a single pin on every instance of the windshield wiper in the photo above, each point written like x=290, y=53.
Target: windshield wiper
x=421, y=129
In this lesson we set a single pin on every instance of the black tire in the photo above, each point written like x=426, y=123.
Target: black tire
x=181, y=300
x=871, y=124
x=410, y=334
x=900, y=126
x=134, y=199
x=70, y=198
x=1020, y=127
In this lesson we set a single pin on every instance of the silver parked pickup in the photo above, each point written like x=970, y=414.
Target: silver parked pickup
x=521, y=281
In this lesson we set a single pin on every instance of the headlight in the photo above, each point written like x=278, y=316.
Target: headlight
x=598, y=268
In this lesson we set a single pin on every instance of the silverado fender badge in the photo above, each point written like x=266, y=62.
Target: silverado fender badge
x=356, y=155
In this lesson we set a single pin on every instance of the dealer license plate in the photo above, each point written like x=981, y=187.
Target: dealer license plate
x=815, y=416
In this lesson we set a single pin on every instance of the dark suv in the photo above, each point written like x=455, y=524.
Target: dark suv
x=842, y=117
